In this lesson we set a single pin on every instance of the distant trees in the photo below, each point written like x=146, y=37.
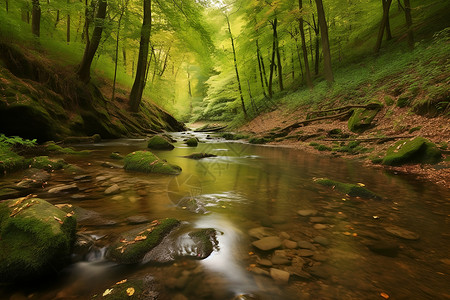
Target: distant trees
x=36, y=18
x=328, y=71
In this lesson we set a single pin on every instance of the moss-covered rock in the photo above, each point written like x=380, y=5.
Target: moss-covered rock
x=116, y=155
x=259, y=140
x=362, y=118
x=353, y=190
x=417, y=150
x=192, y=142
x=159, y=143
x=56, y=149
x=132, y=246
x=43, y=162
x=10, y=161
x=200, y=155
x=147, y=162
x=36, y=238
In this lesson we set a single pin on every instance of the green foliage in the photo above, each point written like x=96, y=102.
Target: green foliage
x=16, y=141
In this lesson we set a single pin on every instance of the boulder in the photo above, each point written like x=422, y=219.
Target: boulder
x=352, y=190
x=192, y=142
x=159, y=143
x=43, y=162
x=147, y=162
x=33, y=178
x=132, y=246
x=417, y=150
x=362, y=118
x=36, y=238
x=279, y=276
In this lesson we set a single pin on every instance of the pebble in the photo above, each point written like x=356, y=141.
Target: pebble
x=267, y=243
x=306, y=253
x=317, y=219
x=298, y=272
x=279, y=276
x=285, y=235
x=320, y=257
x=114, y=189
x=320, y=226
x=260, y=232
x=384, y=248
x=289, y=244
x=319, y=271
x=306, y=245
x=264, y=262
x=64, y=188
x=402, y=233
x=322, y=240
x=259, y=271
x=307, y=212
x=280, y=260
x=134, y=220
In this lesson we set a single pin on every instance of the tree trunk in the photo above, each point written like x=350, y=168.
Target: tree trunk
x=117, y=53
x=36, y=18
x=68, y=29
x=57, y=18
x=260, y=69
x=385, y=18
x=84, y=70
x=328, y=71
x=309, y=82
x=139, y=82
x=7, y=5
x=236, y=68
x=388, y=24
x=124, y=54
x=317, y=46
x=280, y=67
x=409, y=23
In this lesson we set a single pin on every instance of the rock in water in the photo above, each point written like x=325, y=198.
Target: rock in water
x=268, y=243
x=114, y=189
x=192, y=142
x=402, y=233
x=64, y=188
x=279, y=276
x=36, y=238
x=200, y=155
x=147, y=162
x=159, y=143
x=34, y=178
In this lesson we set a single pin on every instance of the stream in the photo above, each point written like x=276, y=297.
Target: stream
x=244, y=188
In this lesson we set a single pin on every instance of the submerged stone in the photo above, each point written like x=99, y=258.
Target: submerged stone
x=43, y=162
x=33, y=178
x=133, y=245
x=352, y=190
x=200, y=155
x=192, y=142
x=268, y=243
x=36, y=238
x=147, y=162
x=159, y=143
x=402, y=233
x=417, y=150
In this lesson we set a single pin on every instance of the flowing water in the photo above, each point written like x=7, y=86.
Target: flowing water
x=246, y=187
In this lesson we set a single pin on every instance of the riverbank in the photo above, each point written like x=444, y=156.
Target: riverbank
x=331, y=137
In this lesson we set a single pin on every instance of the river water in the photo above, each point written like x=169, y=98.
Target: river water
x=247, y=187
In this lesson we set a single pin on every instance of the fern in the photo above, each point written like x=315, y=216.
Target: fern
x=16, y=141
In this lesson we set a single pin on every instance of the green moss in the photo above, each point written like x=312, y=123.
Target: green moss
x=259, y=140
x=192, y=142
x=10, y=161
x=133, y=253
x=352, y=190
x=116, y=155
x=159, y=143
x=119, y=291
x=33, y=241
x=388, y=100
x=417, y=150
x=147, y=162
x=361, y=118
x=204, y=238
x=43, y=162
x=52, y=147
x=414, y=129
x=403, y=101
x=323, y=148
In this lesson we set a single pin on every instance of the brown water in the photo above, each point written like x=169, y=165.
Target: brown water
x=250, y=186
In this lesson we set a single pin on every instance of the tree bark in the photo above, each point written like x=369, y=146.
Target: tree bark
x=139, y=82
x=309, y=82
x=36, y=18
x=68, y=29
x=7, y=6
x=328, y=71
x=388, y=24
x=124, y=54
x=385, y=18
x=236, y=68
x=280, y=67
x=84, y=70
x=409, y=23
x=272, y=65
x=317, y=45
x=122, y=11
x=260, y=69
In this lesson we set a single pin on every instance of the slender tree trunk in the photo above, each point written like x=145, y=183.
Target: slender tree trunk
x=68, y=29
x=163, y=69
x=328, y=71
x=280, y=68
x=293, y=65
x=149, y=63
x=157, y=61
x=260, y=69
x=272, y=66
x=251, y=97
x=57, y=18
x=7, y=6
x=388, y=24
x=36, y=18
x=236, y=67
x=84, y=70
x=124, y=55
x=139, y=82
x=309, y=82
x=316, y=29
x=299, y=60
x=117, y=53
x=385, y=18
x=409, y=23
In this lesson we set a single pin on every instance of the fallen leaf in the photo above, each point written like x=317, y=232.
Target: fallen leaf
x=384, y=295
x=140, y=238
x=346, y=233
x=107, y=292
x=68, y=215
x=122, y=281
x=355, y=234
x=58, y=219
x=361, y=184
x=251, y=253
x=130, y=291
x=252, y=265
